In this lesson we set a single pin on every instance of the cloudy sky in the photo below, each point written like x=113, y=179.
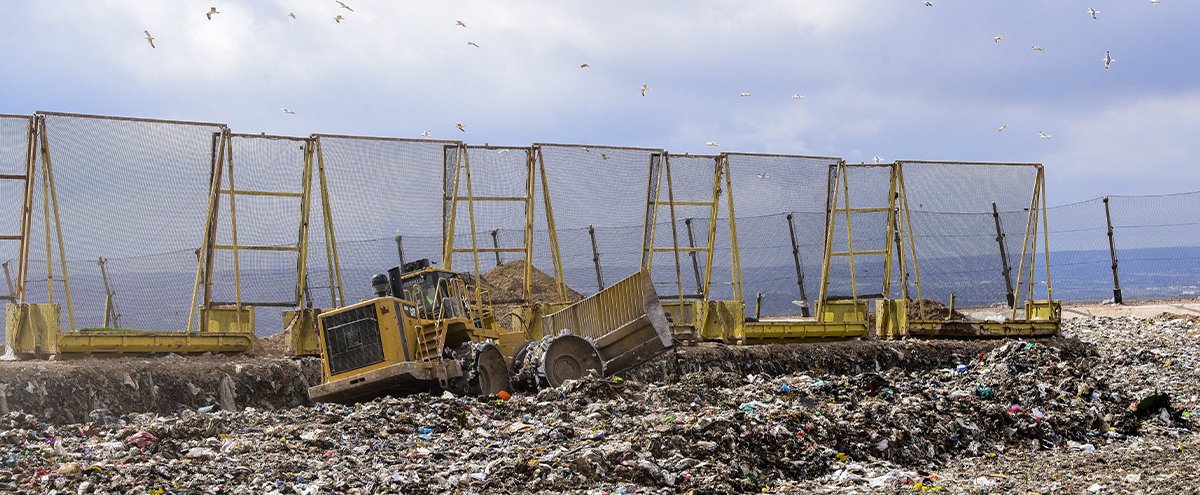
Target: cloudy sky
x=894, y=79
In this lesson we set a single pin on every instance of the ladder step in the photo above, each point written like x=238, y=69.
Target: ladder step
x=12, y=177
x=682, y=249
x=241, y=192
x=862, y=210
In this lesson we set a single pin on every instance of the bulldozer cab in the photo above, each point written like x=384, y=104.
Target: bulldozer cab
x=437, y=293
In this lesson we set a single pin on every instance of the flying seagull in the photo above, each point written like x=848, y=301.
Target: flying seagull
x=1002, y=127
x=211, y=11
x=1044, y=135
x=338, y=19
x=288, y=111
x=711, y=143
x=1037, y=48
x=292, y=15
x=743, y=93
x=998, y=38
x=584, y=66
x=344, y=6
x=1108, y=60
x=460, y=127
x=1154, y=2
x=877, y=159
x=763, y=175
x=1092, y=12
x=460, y=23
x=797, y=96
x=150, y=39
x=645, y=88
x=928, y=3
x=426, y=133
x=474, y=44
x=603, y=156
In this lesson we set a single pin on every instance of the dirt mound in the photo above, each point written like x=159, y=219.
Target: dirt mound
x=504, y=285
x=933, y=310
x=272, y=345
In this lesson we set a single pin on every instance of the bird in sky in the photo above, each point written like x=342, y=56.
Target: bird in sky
x=797, y=96
x=211, y=11
x=474, y=44
x=426, y=133
x=460, y=127
x=998, y=38
x=645, y=88
x=338, y=19
x=1092, y=12
x=292, y=15
x=584, y=66
x=763, y=176
x=460, y=23
x=344, y=6
x=877, y=159
x=288, y=111
x=1044, y=135
x=1037, y=48
x=928, y=3
x=1002, y=127
x=603, y=156
x=150, y=39
x=711, y=143
x=1154, y=2
x=1108, y=60
x=743, y=93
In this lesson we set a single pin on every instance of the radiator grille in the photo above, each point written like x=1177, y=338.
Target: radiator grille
x=352, y=339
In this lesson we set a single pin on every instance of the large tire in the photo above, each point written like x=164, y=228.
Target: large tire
x=485, y=372
x=554, y=360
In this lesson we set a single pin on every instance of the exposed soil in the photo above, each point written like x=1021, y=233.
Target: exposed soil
x=504, y=285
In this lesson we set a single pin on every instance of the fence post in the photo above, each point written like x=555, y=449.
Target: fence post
x=799, y=272
x=1006, y=271
x=496, y=244
x=1112, y=254
x=12, y=291
x=758, y=306
x=400, y=249
x=596, y=258
x=692, y=245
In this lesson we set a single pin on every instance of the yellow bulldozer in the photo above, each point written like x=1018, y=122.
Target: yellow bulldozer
x=428, y=329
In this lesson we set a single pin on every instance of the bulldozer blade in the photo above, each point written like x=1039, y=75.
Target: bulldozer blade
x=625, y=322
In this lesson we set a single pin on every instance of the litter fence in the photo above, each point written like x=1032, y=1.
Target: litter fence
x=126, y=207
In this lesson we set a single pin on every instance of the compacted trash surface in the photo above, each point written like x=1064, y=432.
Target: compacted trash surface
x=1108, y=409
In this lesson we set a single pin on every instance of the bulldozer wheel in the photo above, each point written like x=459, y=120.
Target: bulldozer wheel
x=486, y=372
x=569, y=357
x=491, y=372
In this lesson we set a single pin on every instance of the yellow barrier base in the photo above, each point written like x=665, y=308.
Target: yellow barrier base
x=116, y=342
x=303, y=339
x=1041, y=319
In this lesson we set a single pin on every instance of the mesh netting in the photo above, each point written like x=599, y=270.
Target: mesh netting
x=496, y=179
x=1159, y=248
x=14, y=153
x=686, y=181
x=599, y=186
x=378, y=188
x=268, y=183
x=954, y=228
x=862, y=186
x=134, y=192
x=765, y=189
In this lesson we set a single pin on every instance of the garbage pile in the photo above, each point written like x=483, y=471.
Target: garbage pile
x=708, y=431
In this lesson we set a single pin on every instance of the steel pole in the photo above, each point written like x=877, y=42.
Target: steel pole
x=799, y=272
x=1005, y=269
x=1112, y=254
x=596, y=258
x=400, y=249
